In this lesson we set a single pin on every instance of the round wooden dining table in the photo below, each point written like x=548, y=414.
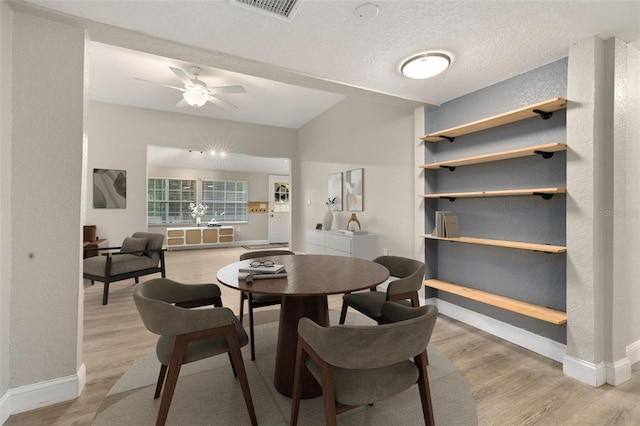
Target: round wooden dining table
x=310, y=279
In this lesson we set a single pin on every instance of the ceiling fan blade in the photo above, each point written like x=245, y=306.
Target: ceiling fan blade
x=181, y=75
x=227, y=89
x=216, y=100
x=160, y=84
x=182, y=103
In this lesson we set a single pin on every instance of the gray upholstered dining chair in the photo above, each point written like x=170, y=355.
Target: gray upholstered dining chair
x=258, y=300
x=358, y=365
x=140, y=254
x=188, y=335
x=410, y=278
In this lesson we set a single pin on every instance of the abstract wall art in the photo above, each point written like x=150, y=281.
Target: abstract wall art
x=353, y=190
x=109, y=189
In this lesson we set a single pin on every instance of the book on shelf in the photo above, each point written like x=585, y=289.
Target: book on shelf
x=446, y=225
x=242, y=276
x=438, y=231
x=345, y=232
x=451, y=228
x=262, y=269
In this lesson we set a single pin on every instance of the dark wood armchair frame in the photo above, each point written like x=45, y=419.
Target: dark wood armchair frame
x=410, y=296
x=331, y=407
x=172, y=371
x=108, y=278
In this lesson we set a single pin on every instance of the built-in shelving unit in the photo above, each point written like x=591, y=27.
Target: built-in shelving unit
x=542, y=109
x=545, y=151
x=529, y=309
x=499, y=193
x=547, y=248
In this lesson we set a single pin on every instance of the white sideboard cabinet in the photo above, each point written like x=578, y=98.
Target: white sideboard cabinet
x=339, y=243
x=194, y=237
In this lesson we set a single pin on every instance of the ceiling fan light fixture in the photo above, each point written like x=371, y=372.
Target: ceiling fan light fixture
x=195, y=98
x=425, y=65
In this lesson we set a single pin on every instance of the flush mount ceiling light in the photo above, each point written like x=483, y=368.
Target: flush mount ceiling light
x=425, y=65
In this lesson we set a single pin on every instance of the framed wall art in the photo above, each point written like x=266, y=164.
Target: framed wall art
x=353, y=190
x=109, y=189
x=334, y=191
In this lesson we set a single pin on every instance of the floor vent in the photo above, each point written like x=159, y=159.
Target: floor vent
x=284, y=9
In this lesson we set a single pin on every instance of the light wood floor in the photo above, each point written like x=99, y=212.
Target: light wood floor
x=511, y=386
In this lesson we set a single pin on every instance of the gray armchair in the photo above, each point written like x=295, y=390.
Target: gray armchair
x=258, y=300
x=188, y=335
x=140, y=254
x=410, y=274
x=358, y=365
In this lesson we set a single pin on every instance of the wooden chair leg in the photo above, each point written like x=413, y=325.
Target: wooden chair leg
x=343, y=313
x=105, y=293
x=297, y=385
x=161, y=376
x=251, y=333
x=137, y=280
x=415, y=301
x=177, y=354
x=234, y=351
x=328, y=397
x=425, y=392
x=233, y=366
x=241, y=306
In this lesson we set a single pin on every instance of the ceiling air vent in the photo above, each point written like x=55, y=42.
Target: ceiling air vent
x=284, y=9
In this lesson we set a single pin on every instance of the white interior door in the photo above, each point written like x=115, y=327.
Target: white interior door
x=279, y=209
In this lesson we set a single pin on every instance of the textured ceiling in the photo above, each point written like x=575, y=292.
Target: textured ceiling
x=490, y=41
x=328, y=51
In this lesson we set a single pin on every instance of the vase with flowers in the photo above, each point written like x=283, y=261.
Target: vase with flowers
x=328, y=215
x=197, y=211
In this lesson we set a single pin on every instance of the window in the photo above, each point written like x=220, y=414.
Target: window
x=168, y=200
x=227, y=201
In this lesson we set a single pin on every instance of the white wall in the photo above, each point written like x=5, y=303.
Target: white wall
x=5, y=199
x=378, y=138
x=118, y=139
x=602, y=210
x=625, y=209
x=47, y=111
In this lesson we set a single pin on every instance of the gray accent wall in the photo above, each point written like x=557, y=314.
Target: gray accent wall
x=534, y=277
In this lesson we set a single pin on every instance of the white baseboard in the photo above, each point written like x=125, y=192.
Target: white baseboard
x=5, y=411
x=585, y=371
x=535, y=343
x=38, y=395
x=618, y=372
x=633, y=352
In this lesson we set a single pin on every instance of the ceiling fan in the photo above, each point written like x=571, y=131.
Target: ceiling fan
x=195, y=92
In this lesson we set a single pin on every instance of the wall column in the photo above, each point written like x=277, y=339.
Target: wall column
x=48, y=104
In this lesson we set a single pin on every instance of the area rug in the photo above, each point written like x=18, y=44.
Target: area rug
x=266, y=246
x=208, y=394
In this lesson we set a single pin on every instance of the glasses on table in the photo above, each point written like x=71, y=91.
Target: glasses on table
x=265, y=263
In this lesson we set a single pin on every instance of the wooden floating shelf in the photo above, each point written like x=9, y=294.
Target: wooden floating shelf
x=547, y=248
x=504, y=155
x=501, y=193
x=528, y=309
x=551, y=105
